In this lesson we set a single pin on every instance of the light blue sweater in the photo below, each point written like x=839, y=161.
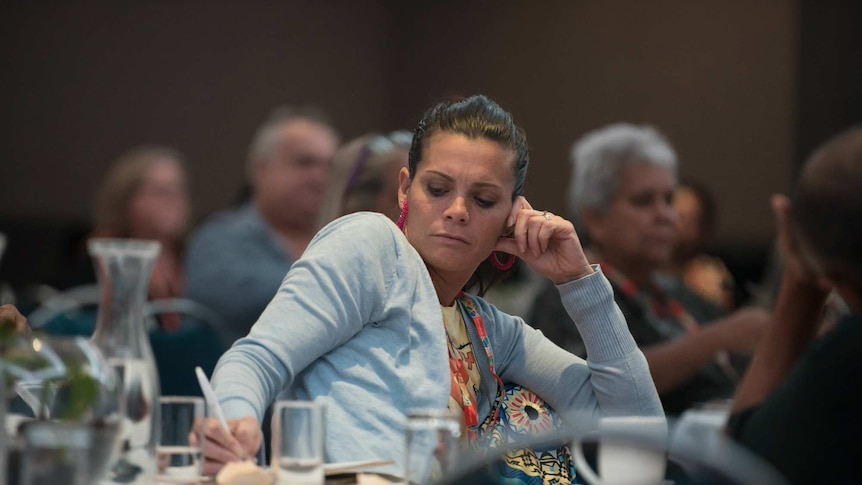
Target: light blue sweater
x=357, y=322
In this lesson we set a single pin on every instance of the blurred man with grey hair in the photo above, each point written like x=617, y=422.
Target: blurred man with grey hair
x=620, y=196
x=237, y=259
x=800, y=403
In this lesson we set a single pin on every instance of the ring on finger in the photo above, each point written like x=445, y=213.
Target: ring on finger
x=547, y=215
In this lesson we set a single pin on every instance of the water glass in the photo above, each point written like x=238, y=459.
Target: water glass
x=180, y=461
x=297, y=442
x=432, y=444
x=56, y=452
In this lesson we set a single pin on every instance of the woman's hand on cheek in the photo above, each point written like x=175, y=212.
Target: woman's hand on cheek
x=547, y=243
x=519, y=203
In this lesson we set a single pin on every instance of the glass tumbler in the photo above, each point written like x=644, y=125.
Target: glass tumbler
x=297, y=442
x=432, y=444
x=56, y=452
x=178, y=459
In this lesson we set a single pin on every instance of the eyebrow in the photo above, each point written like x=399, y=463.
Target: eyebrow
x=450, y=179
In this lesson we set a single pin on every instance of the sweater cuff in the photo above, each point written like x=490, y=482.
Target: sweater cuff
x=237, y=408
x=589, y=301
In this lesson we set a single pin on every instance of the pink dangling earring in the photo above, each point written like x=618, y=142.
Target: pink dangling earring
x=502, y=266
x=403, y=216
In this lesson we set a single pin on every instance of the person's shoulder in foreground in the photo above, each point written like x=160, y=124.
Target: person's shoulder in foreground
x=348, y=275
x=799, y=403
x=361, y=225
x=809, y=426
x=364, y=238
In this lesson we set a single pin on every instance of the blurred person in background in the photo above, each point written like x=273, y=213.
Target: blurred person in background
x=705, y=274
x=799, y=403
x=621, y=192
x=237, y=258
x=364, y=176
x=144, y=195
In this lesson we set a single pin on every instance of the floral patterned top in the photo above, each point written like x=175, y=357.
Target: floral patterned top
x=461, y=348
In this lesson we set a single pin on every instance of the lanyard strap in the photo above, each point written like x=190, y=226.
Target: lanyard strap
x=460, y=377
x=662, y=304
x=460, y=380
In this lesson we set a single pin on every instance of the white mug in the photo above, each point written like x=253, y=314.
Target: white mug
x=631, y=451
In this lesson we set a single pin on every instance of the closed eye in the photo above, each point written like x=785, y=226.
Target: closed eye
x=436, y=191
x=485, y=203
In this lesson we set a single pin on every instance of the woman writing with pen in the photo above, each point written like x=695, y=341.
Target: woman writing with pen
x=376, y=317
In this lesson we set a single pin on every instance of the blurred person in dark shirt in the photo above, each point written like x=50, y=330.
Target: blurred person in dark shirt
x=621, y=193
x=800, y=403
x=237, y=258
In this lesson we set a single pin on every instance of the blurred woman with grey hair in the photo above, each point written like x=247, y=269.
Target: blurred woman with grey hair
x=621, y=194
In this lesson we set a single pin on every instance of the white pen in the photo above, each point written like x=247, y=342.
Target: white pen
x=212, y=401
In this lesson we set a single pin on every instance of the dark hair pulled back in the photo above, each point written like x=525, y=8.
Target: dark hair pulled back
x=476, y=117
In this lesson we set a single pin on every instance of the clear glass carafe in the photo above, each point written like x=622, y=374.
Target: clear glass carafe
x=123, y=268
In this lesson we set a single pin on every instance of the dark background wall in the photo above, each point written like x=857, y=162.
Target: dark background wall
x=830, y=71
x=84, y=81
x=87, y=80
x=718, y=79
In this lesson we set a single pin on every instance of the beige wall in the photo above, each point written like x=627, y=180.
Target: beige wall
x=85, y=82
